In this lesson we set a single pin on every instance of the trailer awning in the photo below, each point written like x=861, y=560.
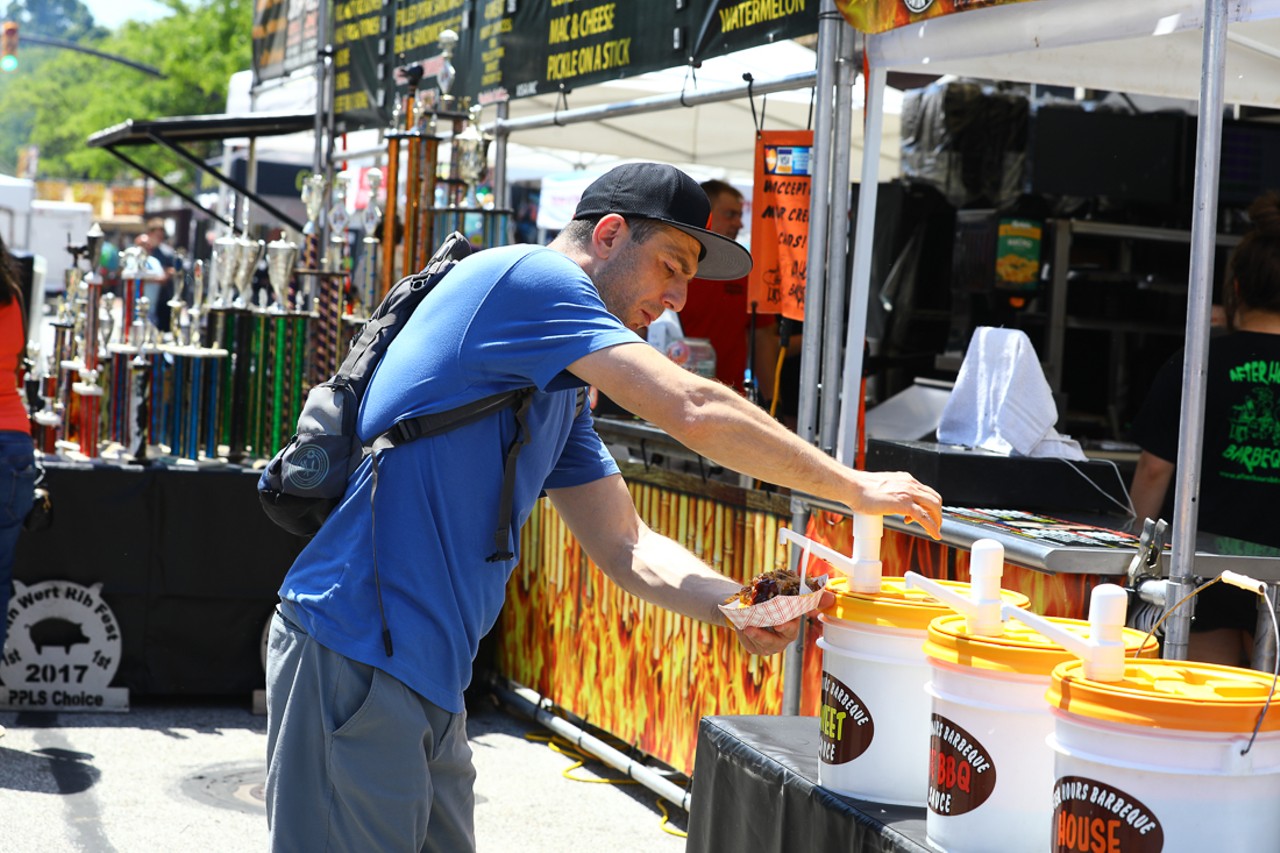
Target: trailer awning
x=176, y=131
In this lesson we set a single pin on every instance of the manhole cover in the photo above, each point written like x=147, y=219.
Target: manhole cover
x=232, y=786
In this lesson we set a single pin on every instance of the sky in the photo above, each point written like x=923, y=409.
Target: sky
x=113, y=13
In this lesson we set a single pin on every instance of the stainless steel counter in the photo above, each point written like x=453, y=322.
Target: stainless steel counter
x=1107, y=555
x=1082, y=543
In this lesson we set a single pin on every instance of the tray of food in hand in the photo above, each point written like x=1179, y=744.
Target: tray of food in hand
x=773, y=598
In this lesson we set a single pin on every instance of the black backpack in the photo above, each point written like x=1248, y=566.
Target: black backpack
x=307, y=478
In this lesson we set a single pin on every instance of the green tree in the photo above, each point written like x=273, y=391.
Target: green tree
x=63, y=97
x=69, y=20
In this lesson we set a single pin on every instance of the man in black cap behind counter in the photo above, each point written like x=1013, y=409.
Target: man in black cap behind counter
x=367, y=662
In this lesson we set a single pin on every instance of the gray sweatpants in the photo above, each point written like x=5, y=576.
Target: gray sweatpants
x=356, y=761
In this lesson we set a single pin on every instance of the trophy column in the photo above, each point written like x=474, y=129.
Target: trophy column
x=288, y=333
x=327, y=330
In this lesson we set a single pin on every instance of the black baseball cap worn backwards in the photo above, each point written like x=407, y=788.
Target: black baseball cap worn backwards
x=666, y=194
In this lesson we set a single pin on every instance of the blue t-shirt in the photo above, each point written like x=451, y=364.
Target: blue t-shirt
x=502, y=319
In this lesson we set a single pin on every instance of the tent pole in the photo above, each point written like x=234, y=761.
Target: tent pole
x=321, y=75
x=500, y=140
x=837, y=239
x=1199, y=300
x=829, y=22
x=863, y=237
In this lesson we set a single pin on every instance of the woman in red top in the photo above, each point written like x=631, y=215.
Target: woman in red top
x=17, y=461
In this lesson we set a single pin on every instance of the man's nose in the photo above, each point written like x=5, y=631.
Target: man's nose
x=677, y=296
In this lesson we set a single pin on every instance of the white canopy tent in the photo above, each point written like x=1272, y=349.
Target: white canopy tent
x=1211, y=51
x=713, y=136
x=1151, y=47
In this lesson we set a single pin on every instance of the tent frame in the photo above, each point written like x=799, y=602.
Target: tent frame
x=172, y=132
x=896, y=43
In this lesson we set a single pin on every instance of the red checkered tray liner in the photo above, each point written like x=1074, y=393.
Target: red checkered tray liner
x=775, y=611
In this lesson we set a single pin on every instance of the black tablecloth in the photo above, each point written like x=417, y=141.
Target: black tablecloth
x=755, y=787
x=188, y=562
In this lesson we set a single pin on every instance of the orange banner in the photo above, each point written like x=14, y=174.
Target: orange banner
x=876, y=16
x=780, y=222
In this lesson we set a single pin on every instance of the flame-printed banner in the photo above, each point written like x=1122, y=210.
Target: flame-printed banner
x=646, y=675
x=876, y=16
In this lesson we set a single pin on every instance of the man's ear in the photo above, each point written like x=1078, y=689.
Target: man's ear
x=608, y=234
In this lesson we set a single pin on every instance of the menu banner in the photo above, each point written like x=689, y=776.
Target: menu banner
x=877, y=16
x=361, y=82
x=511, y=49
x=286, y=36
x=780, y=222
x=269, y=32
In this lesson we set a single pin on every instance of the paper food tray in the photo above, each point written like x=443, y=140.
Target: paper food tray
x=775, y=611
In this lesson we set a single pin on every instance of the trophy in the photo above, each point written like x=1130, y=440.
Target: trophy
x=282, y=257
x=196, y=313
x=178, y=307
x=132, y=265
x=369, y=256
x=249, y=252
x=372, y=213
x=107, y=331
x=338, y=219
x=473, y=156
x=444, y=79
x=313, y=201
x=225, y=253
x=397, y=116
x=313, y=198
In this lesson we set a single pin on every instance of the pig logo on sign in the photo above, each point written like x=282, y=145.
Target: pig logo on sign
x=52, y=631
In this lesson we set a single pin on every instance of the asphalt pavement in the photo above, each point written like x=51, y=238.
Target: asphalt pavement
x=188, y=776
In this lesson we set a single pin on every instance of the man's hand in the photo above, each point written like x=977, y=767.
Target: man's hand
x=770, y=641
x=899, y=493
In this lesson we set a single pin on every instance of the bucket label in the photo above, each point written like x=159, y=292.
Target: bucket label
x=961, y=774
x=845, y=723
x=1090, y=816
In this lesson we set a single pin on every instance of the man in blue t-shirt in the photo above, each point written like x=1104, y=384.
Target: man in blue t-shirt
x=381, y=614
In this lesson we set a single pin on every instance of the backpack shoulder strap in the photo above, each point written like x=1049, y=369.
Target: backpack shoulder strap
x=402, y=299
x=411, y=429
x=502, y=535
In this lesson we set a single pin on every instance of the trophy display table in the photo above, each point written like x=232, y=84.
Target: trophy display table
x=187, y=560
x=755, y=787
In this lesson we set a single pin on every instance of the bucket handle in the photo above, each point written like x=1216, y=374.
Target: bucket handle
x=1258, y=588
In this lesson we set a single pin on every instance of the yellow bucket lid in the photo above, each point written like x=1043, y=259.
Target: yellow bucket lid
x=1020, y=648
x=1169, y=694
x=896, y=606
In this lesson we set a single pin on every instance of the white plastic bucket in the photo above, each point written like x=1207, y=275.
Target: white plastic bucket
x=1154, y=763
x=874, y=721
x=873, y=726
x=991, y=771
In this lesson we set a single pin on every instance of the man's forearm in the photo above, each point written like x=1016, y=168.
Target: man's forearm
x=729, y=430
x=664, y=573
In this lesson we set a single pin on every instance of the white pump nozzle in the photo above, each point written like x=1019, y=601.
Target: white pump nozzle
x=1103, y=650
x=863, y=572
x=981, y=608
x=868, y=530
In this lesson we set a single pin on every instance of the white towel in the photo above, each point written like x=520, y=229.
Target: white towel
x=1001, y=401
